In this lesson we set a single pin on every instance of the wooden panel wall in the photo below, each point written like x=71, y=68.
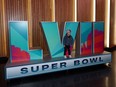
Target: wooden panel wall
x=100, y=10
x=113, y=23
x=84, y=10
x=2, y=30
x=41, y=11
x=16, y=10
x=64, y=12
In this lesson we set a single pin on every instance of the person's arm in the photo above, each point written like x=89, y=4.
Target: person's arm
x=64, y=40
x=72, y=41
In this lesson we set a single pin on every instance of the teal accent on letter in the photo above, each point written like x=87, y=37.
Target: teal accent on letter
x=99, y=26
x=86, y=29
x=19, y=50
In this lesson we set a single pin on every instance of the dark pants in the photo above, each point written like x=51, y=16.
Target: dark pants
x=67, y=47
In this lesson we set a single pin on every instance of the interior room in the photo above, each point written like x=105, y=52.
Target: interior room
x=34, y=12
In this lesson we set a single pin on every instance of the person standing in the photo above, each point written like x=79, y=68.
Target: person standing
x=67, y=42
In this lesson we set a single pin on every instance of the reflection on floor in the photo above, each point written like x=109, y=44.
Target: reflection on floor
x=95, y=76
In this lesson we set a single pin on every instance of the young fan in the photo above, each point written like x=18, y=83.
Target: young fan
x=67, y=42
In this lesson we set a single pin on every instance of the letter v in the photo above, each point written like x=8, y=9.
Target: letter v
x=52, y=35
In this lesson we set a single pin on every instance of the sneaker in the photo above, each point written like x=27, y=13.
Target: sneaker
x=70, y=56
x=65, y=57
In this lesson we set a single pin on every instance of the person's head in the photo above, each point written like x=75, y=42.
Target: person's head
x=68, y=32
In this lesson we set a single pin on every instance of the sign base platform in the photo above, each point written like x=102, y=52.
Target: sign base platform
x=23, y=69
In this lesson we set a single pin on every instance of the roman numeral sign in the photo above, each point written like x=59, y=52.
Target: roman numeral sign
x=88, y=50
x=91, y=39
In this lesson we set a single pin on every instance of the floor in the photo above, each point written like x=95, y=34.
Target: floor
x=94, y=76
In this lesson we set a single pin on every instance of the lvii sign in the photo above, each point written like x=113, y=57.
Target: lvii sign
x=91, y=39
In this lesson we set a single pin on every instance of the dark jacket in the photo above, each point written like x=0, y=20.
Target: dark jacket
x=68, y=40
